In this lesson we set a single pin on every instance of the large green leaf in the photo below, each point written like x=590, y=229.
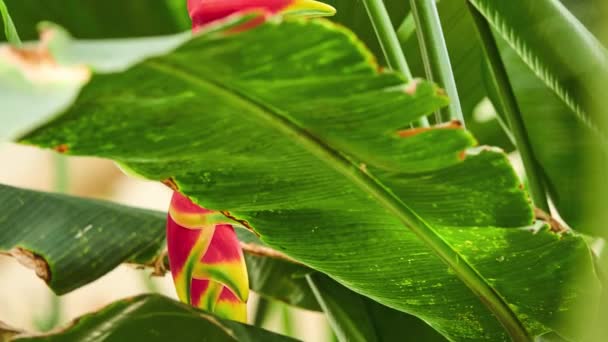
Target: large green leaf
x=155, y=318
x=591, y=13
x=141, y=17
x=290, y=129
x=356, y=318
x=566, y=163
x=557, y=47
x=271, y=275
x=72, y=241
x=558, y=69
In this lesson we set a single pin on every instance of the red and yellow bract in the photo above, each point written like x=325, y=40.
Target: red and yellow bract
x=206, y=260
x=205, y=256
x=204, y=12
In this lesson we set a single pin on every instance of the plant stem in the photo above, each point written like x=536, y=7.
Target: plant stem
x=62, y=185
x=263, y=309
x=509, y=104
x=61, y=173
x=435, y=52
x=9, y=27
x=287, y=320
x=48, y=321
x=387, y=36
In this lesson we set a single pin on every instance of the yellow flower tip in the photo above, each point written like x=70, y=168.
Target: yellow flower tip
x=308, y=8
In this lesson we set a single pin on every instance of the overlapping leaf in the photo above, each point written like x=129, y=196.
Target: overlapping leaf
x=558, y=70
x=356, y=318
x=155, y=318
x=73, y=241
x=271, y=275
x=531, y=28
x=290, y=129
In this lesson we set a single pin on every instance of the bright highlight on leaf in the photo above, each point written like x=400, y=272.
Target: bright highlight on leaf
x=206, y=260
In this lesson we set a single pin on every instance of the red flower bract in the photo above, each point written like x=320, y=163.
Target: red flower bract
x=204, y=12
x=206, y=260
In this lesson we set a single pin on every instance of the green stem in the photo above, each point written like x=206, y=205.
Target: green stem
x=263, y=309
x=509, y=104
x=49, y=320
x=61, y=174
x=435, y=53
x=387, y=36
x=62, y=184
x=9, y=27
x=287, y=320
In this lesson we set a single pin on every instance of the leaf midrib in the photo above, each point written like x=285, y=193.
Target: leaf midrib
x=370, y=185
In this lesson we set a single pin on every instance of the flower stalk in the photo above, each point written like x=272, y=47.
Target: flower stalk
x=434, y=53
x=389, y=41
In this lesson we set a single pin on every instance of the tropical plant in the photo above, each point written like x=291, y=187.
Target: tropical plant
x=310, y=166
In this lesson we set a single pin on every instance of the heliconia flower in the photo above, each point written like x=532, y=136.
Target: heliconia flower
x=205, y=256
x=206, y=260
x=204, y=12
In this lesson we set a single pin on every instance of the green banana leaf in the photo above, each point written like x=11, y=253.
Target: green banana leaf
x=155, y=318
x=98, y=250
x=591, y=13
x=356, y=318
x=72, y=241
x=300, y=141
x=98, y=19
x=558, y=70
